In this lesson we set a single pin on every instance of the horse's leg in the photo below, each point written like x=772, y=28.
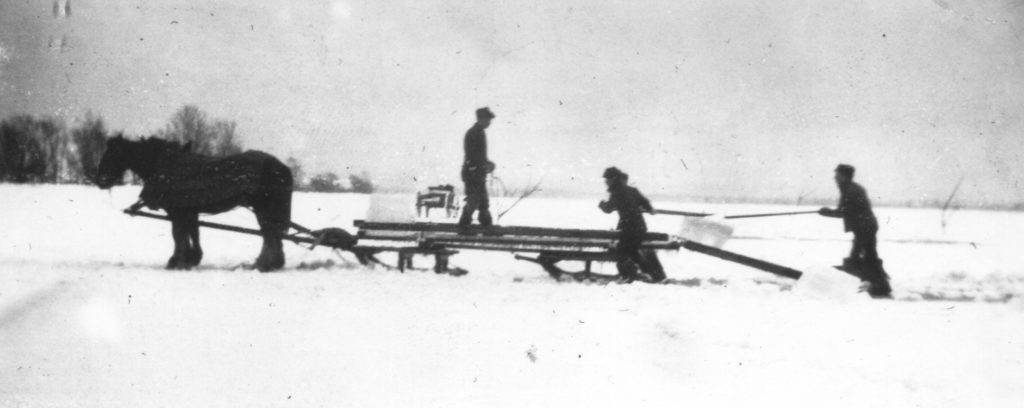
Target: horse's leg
x=272, y=254
x=180, y=235
x=194, y=252
x=264, y=259
x=273, y=212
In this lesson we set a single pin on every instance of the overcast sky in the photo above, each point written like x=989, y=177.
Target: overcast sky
x=733, y=98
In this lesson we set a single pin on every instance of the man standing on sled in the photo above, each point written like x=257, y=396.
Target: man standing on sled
x=475, y=168
x=855, y=210
x=630, y=205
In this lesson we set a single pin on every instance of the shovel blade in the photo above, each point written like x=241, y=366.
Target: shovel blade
x=709, y=231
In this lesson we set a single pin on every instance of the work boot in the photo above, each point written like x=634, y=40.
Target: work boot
x=485, y=217
x=646, y=278
x=656, y=276
x=627, y=271
x=878, y=280
x=652, y=268
x=854, y=266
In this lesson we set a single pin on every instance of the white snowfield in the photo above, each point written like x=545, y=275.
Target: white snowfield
x=89, y=317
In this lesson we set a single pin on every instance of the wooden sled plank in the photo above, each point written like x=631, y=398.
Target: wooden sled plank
x=499, y=230
x=743, y=260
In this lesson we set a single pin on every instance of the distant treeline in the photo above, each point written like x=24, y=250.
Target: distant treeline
x=44, y=149
x=329, y=182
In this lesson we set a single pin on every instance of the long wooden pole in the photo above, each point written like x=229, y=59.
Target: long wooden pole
x=682, y=213
x=733, y=217
x=225, y=227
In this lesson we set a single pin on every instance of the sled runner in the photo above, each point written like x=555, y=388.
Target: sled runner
x=549, y=261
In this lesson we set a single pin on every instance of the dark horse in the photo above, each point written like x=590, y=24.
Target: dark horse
x=185, y=184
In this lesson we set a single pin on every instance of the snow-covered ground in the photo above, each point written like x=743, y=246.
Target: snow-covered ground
x=88, y=317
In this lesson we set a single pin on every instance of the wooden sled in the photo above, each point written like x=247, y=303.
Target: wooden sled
x=552, y=245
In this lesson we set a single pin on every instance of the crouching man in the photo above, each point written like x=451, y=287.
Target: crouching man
x=630, y=205
x=855, y=210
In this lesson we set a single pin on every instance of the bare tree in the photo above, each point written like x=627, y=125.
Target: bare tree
x=54, y=141
x=32, y=149
x=325, y=182
x=189, y=125
x=87, y=142
x=361, y=183
x=298, y=175
x=22, y=155
x=225, y=137
x=212, y=138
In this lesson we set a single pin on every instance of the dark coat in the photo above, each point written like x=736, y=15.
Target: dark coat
x=855, y=209
x=631, y=205
x=475, y=146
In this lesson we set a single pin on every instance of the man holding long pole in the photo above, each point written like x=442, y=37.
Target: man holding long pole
x=630, y=205
x=855, y=210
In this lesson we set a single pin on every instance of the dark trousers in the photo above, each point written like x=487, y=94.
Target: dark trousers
x=629, y=256
x=657, y=272
x=865, y=245
x=476, y=199
x=864, y=254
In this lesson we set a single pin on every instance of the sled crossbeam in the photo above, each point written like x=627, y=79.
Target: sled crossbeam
x=472, y=230
x=552, y=245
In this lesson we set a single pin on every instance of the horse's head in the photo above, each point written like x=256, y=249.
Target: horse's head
x=114, y=162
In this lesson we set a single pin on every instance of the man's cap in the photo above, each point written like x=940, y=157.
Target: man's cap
x=845, y=169
x=615, y=173
x=485, y=113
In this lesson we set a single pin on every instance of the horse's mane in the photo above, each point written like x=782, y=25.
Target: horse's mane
x=155, y=147
x=158, y=144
